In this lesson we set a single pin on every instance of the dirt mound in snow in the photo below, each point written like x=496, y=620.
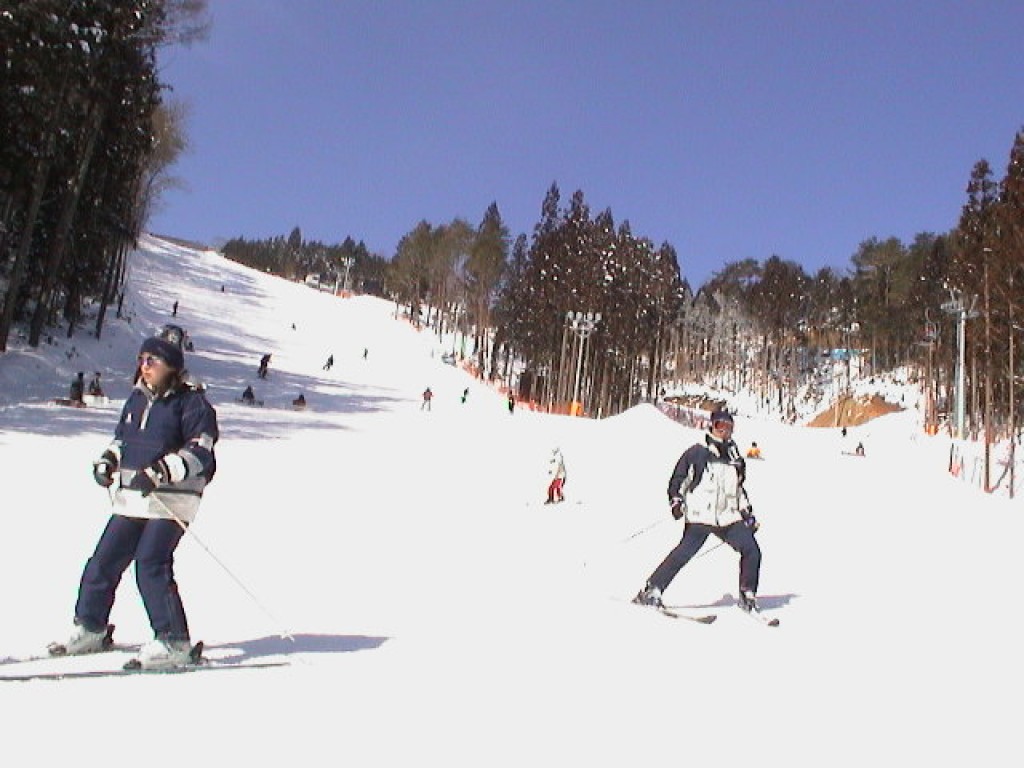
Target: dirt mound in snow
x=853, y=411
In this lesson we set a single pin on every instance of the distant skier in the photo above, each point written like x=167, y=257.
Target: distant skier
x=511, y=403
x=465, y=394
x=754, y=451
x=299, y=403
x=556, y=471
x=162, y=458
x=428, y=395
x=174, y=310
x=366, y=352
x=330, y=363
x=95, y=387
x=248, y=396
x=859, y=450
x=706, y=490
x=264, y=366
x=77, y=390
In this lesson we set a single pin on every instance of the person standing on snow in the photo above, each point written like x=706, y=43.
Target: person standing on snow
x=95, y=387
x=556, y=471
x=706, y=490
x=77, y=393
x=163, y=457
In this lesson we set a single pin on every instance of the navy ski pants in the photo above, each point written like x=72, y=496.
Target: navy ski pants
x=738, y=536
x=151, y=544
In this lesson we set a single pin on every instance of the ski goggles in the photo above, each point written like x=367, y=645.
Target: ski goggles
x=151, y=361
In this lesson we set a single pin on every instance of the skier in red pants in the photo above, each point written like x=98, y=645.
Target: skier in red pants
x=556, y=471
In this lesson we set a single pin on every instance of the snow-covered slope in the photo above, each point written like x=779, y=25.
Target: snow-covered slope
x=440, y=614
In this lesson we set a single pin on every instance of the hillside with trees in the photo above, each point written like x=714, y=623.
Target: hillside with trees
x=586, y=311
x=88, y=141
x=580, y=315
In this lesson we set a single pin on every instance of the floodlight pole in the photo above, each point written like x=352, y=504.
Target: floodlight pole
x=958, y=306
x=582, y=324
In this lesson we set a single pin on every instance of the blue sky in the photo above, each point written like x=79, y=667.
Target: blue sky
x=731, y=130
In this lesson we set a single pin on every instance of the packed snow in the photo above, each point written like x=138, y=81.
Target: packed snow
x=425, y=607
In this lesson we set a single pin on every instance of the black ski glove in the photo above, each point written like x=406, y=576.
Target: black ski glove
x=149, y=479
x=103, y=469
x=678, y=507
x=145, y=481
x=170, y=469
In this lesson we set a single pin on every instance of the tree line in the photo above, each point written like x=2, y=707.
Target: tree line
x=529, y=309
x=88, y=141
x=346, y=265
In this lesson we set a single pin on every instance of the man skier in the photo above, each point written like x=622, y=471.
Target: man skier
x=706, y=490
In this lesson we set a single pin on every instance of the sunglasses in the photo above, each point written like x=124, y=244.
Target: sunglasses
x=147, y=361
x=722, y=425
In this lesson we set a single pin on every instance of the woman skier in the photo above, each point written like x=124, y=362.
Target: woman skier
x=162, y=458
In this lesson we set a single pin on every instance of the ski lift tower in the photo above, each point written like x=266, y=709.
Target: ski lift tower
x=958, y=306
x=346, y=263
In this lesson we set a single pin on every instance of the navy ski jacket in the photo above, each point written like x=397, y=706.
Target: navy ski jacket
x=180, y=421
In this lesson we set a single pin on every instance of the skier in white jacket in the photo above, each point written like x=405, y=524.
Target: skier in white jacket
x=706, y=489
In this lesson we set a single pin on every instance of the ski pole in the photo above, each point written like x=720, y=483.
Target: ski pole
x=284, y=635
x=707, y=551
x=643, y=530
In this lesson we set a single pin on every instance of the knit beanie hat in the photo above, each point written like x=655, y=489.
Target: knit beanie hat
x=165, y=350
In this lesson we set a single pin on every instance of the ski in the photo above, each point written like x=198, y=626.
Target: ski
x=55, y=651
x=671, y=613
x=708, y=618
x=197, y=663
x=206, y=666
x=768, y=621
x=44, y=657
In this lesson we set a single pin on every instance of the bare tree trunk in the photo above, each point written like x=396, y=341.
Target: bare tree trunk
x=110, y=283
x=20, y=267
x=17, y=276
x=58, y=246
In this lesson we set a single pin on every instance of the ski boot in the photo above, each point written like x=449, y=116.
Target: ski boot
x=162, y=653
x=649, y=595
x=748, y=602
x=84, y=640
